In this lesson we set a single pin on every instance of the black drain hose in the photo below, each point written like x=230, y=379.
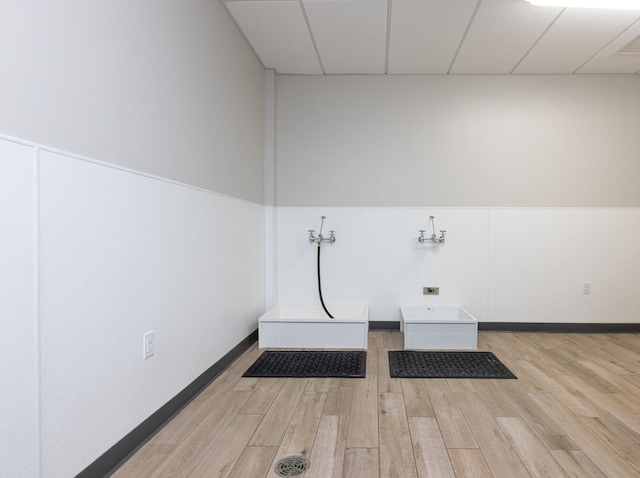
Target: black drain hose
x=320, y=287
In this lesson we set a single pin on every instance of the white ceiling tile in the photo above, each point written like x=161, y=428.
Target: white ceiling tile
x=608, y=60
x=501, y=34
x=278, y=33
x=435, y=37
x=425, y=34
x=350, y=35
x=577, y=35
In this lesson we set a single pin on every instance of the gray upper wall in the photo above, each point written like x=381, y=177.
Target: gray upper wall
x=458, y=141
x=165, y=87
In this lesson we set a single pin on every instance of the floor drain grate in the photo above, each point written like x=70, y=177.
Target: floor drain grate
x=292, y=466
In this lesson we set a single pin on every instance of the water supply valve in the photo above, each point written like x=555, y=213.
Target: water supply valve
x=433, y=238
x=320, y=238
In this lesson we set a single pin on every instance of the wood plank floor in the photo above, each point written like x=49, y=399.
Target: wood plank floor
x=573, y=412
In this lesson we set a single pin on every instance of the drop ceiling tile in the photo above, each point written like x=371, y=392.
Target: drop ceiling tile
x=350, y=35
x=425, y=34
x=577, y=35
x=608, y=60
x=501, y=34
x=278, y=33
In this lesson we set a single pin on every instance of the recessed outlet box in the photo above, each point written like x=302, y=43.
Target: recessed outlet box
x=148, y=344
x=431, y=291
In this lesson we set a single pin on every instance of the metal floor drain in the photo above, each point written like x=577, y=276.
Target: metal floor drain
x=292, y=466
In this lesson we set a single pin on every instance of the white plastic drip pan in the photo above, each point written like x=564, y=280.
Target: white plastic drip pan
x=307, y=326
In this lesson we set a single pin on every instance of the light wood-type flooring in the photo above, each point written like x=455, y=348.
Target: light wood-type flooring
x=573, y=411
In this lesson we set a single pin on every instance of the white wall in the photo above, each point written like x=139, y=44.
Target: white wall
x=169, y=88
x=458, y=141
x=118, y=253
x=161, y=228
x=18, y=310
x=377, y=259
x=534, y=177
x=539, y=258
x=502, y=264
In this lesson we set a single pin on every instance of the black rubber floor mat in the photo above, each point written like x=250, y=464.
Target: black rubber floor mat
x=411, y=364
x=272, y=363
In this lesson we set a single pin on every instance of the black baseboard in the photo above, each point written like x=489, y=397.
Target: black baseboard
x=106, y=464
x=384, y=325
x=557, y=328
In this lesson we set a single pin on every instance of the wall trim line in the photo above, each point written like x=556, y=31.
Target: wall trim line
x=114, y=457
x=123, y=169
x=37, y=313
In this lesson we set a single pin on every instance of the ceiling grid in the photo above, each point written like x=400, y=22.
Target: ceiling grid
x=329, y=37
x=536, y=42
x=464, y=35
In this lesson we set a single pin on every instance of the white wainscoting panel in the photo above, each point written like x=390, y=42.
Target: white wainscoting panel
x=378, y=260
x=501, y=264
x=540, y=258
x=18, y=315
x=122, y=254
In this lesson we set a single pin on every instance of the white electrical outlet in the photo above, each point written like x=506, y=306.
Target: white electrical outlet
x=148, y=342
x=586, y=288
